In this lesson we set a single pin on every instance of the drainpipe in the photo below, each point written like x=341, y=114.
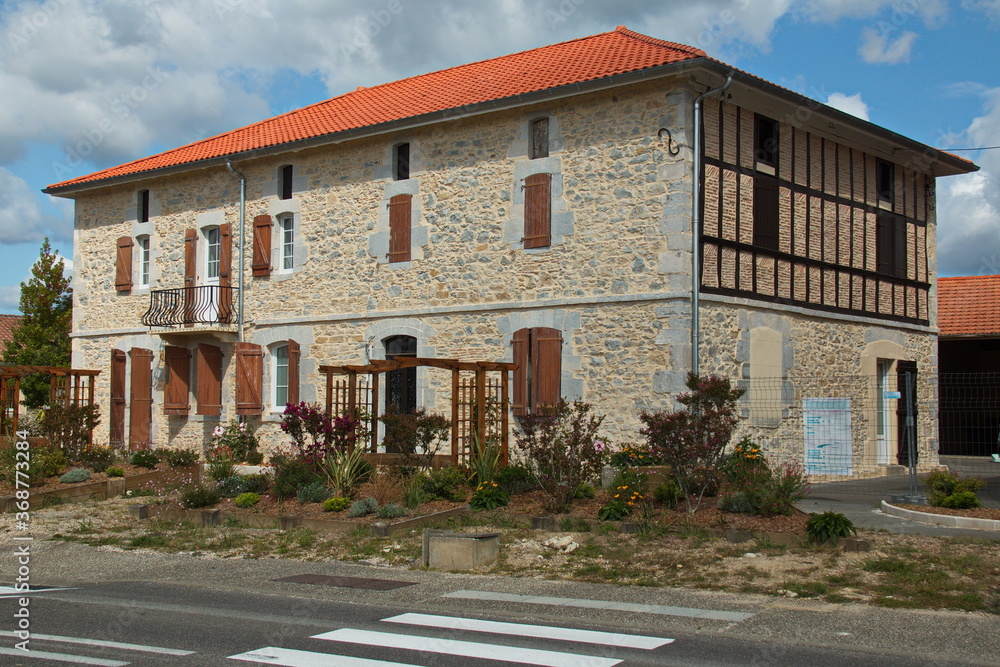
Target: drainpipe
x=696, y=222
x=243, y=201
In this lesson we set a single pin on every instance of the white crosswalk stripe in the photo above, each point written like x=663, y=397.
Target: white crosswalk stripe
x=466, y=649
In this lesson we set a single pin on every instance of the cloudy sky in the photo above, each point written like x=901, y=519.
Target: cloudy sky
x=88, y=84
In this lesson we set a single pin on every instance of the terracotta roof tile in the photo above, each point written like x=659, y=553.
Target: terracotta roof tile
x=969, y=306
x=584, y=59
x=7, y=324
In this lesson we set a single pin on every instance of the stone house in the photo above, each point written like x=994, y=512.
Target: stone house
x=534, y=208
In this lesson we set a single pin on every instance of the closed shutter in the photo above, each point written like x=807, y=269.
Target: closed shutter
x=123, y=265
x=140, y=399
x=519, y=398
x=294, y=354
x=119, y=363
x=262, y=245
x=190, y=274
x=175, y=394
x=538, y=211
x=546, y=366
x=765, y=212
x=209, y=387
x=249, y=378
x=885, y=238
x=899, y=247
x=225, y=272
x=399, y=228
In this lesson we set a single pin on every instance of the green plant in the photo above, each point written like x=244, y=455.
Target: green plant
x=584, y=492
x=179, y=458
x=363, y=507
x=115, y=472
x=667, y=493
x=246, y=500
x=138, y=493
x=44, y=462
x=144, y=458
x=291, y=473
x=221, y=469
x=944, y=484
x=416, y=436
x=515, y=479
x=445, y=483
x=314, y=433
x=70, y=426
x=391, y=511
x=828, y=526
x=314, y=492
x=621, y=504
x=74, y=475
x=236, y=442
x=256, y=483
x=231, y=486
x=757, y=489
x=631, y=455
x=198, y=495
x=96, y=457
x=488, y=496
x=485, y=460
x=345, y=469
x=961, y=500
x=336, y=504
x=413, y=489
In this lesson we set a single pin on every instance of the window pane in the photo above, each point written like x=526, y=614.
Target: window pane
x=281, y=376
x=144, y=260
x=212, y=236
x=287, y=243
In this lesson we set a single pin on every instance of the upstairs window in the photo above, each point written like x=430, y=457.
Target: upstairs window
x=285, y=182
x=286, y=227
x=401, y=162
x=885, y=181
x=213, y=253
x=143, y=243
x=539, y=138
x=890, y=250
x=766, y=143
x=142, y=205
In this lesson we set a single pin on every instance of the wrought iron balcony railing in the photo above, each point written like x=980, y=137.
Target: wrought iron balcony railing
x=206, y=304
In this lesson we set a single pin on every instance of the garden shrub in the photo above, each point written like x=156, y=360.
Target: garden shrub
x=198, y=495
x=231, y=486
x=144, y=458
x=45, y=461
x=622, y=503
x=755, y=487
x=246, y=500
x=115, y=472
x=220, y=469
x=363, y=507
x=75, y=475
x=667, y=493
x=416, y=436
x=236, y=442
x=256, y=483
x=96, y=457
x=345, y=469
x=391, y=511
x=488, y=496
x=515, y=479
x=314, y=433
x=961, y=500
x=632, y=456
x=944, y=484
x=445, y=484
x=313, y=492
x=179, y=458
x=336, y=504
x=292, y=473
x=559, y=443
x=584, y=492
x=70, y=426
x=829, y=526
x=485, y=460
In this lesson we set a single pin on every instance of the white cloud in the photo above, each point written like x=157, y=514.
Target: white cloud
x=10, y=299
x=889, y=13
x=21, y=215
x=852, y=104
x=989, y=7
x=877, y=47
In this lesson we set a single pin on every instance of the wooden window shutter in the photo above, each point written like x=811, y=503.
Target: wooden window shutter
x=546, y=366
x=140, y=399
x=400, y=208
x=262, y=245
x=209, y=387
x=519, y=398
x=765, y=212
x=190, y=256
x=249, y=378
x=899, y=247
x=294, y=354
x=885, y=238
x=123, y=265
x=175, y=394
x=538, y=211
x=225, y=272
x=119, y=362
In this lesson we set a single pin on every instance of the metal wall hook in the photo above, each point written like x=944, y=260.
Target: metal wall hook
x=672, y=148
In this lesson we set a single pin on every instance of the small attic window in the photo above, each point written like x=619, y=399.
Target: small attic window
x=766, y=141
x=401, y=162
x=539, y=138
x=142, y=205
x=885, y=183
x=285, y=185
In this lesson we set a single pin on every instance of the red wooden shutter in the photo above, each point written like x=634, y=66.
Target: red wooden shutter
x=537, y=211
x=519, y=344
x=175, y=395
x=117, y=417
x=546, y=366
x=765, y=212
x=190, y=273
x=262, y=245
x=209, y=387
x=225, y=272
x=249, y=378
x=123, y=265
x=294, y=354
x=140, y=398
x=399, y=228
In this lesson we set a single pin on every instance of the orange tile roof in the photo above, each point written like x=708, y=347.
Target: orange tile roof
x=969, y=306
x=7, y=324
x=584, y=59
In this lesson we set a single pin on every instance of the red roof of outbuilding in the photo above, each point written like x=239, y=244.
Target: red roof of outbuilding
x=585, y=59
x=969, y=306
x=7, y=324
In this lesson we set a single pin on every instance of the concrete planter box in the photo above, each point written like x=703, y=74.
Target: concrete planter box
x=445, y=550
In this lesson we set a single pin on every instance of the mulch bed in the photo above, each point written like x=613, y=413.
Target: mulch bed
x=53, y=483
x=977, y=513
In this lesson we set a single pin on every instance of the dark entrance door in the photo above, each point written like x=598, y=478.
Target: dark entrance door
x=906, y=410
x=401, y=384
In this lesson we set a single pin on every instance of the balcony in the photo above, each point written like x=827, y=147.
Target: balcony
x=194, y=309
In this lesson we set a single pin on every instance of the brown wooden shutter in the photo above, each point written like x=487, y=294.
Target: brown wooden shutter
x=175, y=394
x=519, y=398
x=140, y=399
x=546, y=366
x=294, y=354
x=262, y=245
x=765, y=212
x=225, y=272
x=209, y=387
x=119, y=363
x=400, y=208
x=899, y=246
x=538, y=211
x=884, y=241
x=123, y=265
x=249, y=378
x=190, y=273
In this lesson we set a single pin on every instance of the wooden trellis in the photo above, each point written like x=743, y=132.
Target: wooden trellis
x=67, y=386
x=479, y=402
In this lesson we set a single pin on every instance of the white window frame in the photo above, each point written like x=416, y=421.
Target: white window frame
x=143, y=242
x=286, y=243
x=279, y=352
x=213, y=240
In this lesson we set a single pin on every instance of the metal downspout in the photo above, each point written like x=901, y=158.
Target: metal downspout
x=696, y=223
x=243, y=200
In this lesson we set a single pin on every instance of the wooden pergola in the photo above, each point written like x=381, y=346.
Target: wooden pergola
x=478, y=402
x=67, y=386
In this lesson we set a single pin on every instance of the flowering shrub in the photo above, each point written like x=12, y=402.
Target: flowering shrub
x=69, y=427
x=560, y=444
x=692, y=440
x=235, y=441
x=96, y=457
x=632, y=456
x=755, y=487
x=622, y=503
x=488, y=496
x=416, y=436
x=314, y=433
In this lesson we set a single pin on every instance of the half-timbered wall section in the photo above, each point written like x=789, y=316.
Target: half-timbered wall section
x=799, y=219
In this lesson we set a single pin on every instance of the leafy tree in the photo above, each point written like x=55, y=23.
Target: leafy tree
x=42, y=337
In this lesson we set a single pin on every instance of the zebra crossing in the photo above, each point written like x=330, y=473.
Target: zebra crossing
x=569, y=640
x=77, y=659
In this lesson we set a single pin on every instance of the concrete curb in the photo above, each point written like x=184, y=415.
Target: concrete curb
x=941, y=519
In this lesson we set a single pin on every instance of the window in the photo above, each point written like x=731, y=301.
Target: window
x=401, y=162
x=538, y=211
x=286, y=226
x=213, y=247
x=401, y=384
x=400, y=223
x=539, y=138
x=142, y=205
x=143, y=243
x=538, y=379
x=890, y=249
x=280, y=370
x=285, y=181
x=885, y=181
x=766, y=142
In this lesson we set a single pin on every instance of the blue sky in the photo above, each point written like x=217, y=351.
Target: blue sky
x=122, y=79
